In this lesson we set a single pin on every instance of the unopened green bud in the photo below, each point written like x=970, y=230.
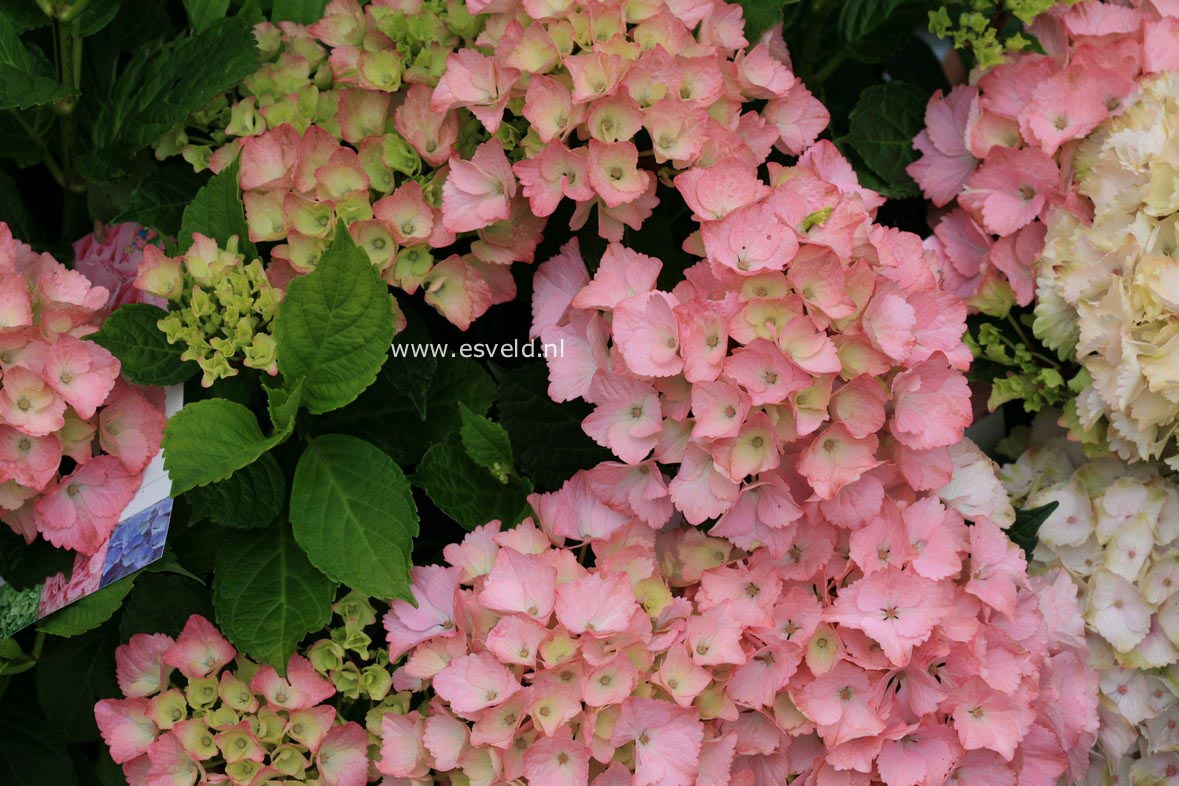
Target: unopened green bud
x=270, y=726
x=222, y=718
x=201, y=693
x=236, y=694
x=347, y=680
x=243, y=771
x=289, y=760
x=376, y=682
x=326, y=656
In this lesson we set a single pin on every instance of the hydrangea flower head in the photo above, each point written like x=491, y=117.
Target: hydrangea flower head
x=195, y=711
x=220, y=307
x=814, y=368
x=907, y=649
x=63, y=406
x=1000, y=152
x=444, y=136
x=1110, y=546
x=1108, y=294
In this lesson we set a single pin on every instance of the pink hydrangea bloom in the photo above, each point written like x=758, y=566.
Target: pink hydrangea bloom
x=59, y=390
x=682, y=74
x=1002, y=151
x=673, y=657
x=832, y=361
x=192, y=714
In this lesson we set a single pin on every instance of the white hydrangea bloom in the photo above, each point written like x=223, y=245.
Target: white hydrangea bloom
x=1108, y=291
x=1115, y=533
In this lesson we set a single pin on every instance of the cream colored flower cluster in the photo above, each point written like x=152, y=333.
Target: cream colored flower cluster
x=1116, y=533
x=1108, y=290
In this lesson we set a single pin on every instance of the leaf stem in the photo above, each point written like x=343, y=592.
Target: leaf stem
x=1028, y=343
x=50, y=161
x=830, y=67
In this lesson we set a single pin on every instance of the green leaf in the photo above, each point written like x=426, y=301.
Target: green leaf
x=546, y=436
x=487, y=443
x=1025, y=531
x=209, y=440
x=760, y=15
x=162, y=603
x=89, y=612
x=334, y=326
x=283, y=404
x=23, y=15
x=196, y=546
x=97, y=15
x=30, y=753
x=882, y=127
x=131, y=335
x=250, y=498
x=71, y=676
x=159, y=200
x=387, y=414
x=23, y=84
x=203, y=13
x=465, y=491
x=164, y=83
x=267, y=596
x=302, y=11
x=353, y=513
x=872, y=30
x=25, y=565
x=217, y=212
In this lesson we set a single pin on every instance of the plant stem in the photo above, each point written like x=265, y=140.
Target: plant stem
x=830, y=67
x=820, y=10
x=1028, y=343
x=49, y=160
x=68, y=47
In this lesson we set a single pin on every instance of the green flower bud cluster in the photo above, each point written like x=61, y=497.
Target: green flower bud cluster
x=981, y=26
x=1016, y=368
x=222, y=312
x=347, y=657
x=297, y=84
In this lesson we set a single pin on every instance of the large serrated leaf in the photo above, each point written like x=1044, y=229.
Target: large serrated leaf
x=389, y=416
x=209, y=440
x=353, y=513
x=71, y=676
x=487, y=443
x=250, y=498
x=163, y=84
x=465, y=491
x=160, y=199
x=303, y=12
x=162, y=603
x=203, y=13
x=146, y=357
x=872, y=30
x=334, y=327
x=881, y=130
x=760, y=15
x=23, y=83
x=89, y=612
x=267, y=596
